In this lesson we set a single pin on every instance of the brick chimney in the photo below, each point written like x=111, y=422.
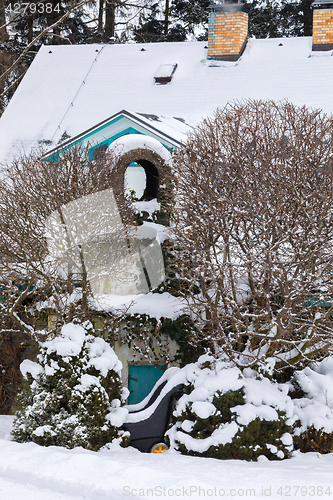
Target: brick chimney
x=227, y=31
x=322, y=31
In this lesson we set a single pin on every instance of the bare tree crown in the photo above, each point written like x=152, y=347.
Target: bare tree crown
x=254, y=219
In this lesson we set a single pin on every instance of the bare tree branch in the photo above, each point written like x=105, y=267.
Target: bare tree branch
x=254, y=217
x=38, y=37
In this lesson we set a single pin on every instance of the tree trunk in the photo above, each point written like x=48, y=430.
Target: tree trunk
x=109, y=18
x=166, y=17
x=84, y=282
x=3, y=32
x=100, y=16
x=56, y=29
x=30, y=30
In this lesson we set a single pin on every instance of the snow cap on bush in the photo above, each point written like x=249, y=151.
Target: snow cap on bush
x=228, y=413
x=72, y=395
x=316, y=407
x=71, y=341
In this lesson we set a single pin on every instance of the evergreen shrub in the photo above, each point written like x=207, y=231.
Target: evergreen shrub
x=312, y=393
x=150, y=338
x=72, y=396
x=314, y=440
x=229, y=414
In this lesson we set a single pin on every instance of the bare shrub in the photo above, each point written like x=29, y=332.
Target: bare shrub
x=254, y=221
x=31, y=189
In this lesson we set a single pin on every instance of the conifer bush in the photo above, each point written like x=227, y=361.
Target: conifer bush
x=312, y=392
x=230, y=414
x=72, y=396
x=314, y=440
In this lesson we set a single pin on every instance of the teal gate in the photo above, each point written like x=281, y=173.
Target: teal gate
x=141, y=380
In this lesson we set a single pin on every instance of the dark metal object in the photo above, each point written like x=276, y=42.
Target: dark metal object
x=163, y=79
x=146, y=433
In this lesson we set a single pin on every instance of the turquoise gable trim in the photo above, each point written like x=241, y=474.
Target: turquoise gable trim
x=106, y=133
x=103, y=127
x=129, y=130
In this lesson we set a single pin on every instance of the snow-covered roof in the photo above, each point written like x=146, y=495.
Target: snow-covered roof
x=69, y=89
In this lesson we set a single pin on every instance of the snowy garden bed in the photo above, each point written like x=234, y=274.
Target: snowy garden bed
x=73, y=397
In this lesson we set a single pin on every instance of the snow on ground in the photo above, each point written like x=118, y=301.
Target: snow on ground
x=32, y=472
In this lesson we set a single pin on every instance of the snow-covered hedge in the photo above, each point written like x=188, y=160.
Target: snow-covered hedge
x=227, y=413
x=314, y=407
x=72, y=396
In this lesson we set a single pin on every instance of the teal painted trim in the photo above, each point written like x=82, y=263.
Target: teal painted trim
x=172, y=143
x=127, y=131
x=21, y=288
x=312, y=302
x=101, y=128
x=108, y=141
x=55, y=157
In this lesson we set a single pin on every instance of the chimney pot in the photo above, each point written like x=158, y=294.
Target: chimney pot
x=227, y=32
x=322, y=31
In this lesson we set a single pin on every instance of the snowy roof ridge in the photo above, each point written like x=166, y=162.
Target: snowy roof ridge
x=123, y=79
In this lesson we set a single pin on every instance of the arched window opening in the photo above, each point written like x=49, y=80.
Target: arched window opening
x=142, y=177
x=135, y=180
